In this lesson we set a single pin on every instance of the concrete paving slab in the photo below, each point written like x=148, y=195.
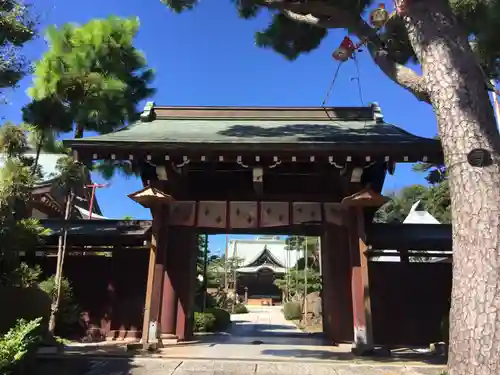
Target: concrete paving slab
x=220, y=366
x=295, y=369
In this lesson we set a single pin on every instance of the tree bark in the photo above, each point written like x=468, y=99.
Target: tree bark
x=38, y=151
x=466, y=121
x=61, y=250
x=79, y=130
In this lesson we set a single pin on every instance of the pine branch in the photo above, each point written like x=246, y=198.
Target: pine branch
x=320, y=14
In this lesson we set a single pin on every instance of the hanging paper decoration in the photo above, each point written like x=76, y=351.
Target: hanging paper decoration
x=379, y=16
x=345, y=50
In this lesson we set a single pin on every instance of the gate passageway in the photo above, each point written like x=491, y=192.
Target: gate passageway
x=261, y=334
x=267, y=324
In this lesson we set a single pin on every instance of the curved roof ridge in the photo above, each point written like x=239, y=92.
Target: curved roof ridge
x=259, y=255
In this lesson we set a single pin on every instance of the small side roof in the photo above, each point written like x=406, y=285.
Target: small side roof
x=99, y=232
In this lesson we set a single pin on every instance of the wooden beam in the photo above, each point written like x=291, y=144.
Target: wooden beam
x=366, y=197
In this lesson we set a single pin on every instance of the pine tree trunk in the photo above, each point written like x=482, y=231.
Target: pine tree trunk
x=61, y=250
x=38, y=151
x=466, y=121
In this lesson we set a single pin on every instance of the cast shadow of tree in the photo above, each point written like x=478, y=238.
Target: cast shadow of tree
x=394, y=357
x=83, y=365
x=332, y=132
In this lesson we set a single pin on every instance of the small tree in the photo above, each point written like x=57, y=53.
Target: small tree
x=93, y=78
x=71, y=176
x=16, y=182
x=95, y=72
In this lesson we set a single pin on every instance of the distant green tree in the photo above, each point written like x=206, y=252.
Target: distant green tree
x=435, y=199
x=17, y=233
x=436, y=172
x=296, y=285
x=17, y=26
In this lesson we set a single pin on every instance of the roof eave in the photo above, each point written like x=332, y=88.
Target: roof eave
x=429, y=145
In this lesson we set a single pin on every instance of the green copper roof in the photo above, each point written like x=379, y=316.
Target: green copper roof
x=252, y=126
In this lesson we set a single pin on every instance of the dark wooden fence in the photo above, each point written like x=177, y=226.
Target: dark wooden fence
x=409, y=301
x=110, y=290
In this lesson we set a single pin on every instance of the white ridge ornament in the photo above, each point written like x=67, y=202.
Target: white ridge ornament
x=379, y=16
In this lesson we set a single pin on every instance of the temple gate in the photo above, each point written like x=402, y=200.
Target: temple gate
x=262, y=170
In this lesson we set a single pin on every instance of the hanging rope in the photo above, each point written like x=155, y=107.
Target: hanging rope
x=353, y=48
x=327, y=96
x=335, y=75
x=358, y=79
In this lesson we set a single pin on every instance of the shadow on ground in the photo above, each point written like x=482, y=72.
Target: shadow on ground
x=344, y=356
x=82, y=365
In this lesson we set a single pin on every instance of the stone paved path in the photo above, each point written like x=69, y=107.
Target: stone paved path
x=141, y=366
x=264, y=334
x=261, y=342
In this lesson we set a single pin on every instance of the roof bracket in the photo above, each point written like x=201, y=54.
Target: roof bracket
x=258, y=179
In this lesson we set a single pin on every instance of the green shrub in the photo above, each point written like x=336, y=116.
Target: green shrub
x=292, y=311
x=17, y=346
x=204, y=322
x=69, y=311
x=240, y=309
x=222, y=319
x=25, y=276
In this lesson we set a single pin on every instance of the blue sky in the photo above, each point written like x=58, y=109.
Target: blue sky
x=208, y=57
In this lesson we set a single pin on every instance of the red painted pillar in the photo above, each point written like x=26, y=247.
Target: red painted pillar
x=337, y=304
x=169, y=297
x=185, y=281
x=363, y=335
x=151, y=331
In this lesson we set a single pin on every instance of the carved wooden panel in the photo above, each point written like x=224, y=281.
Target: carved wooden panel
x=243, y=215
x=182, y=213
x=334, y=213
x=304, y=212
x=274, y=214
x=212, y=214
